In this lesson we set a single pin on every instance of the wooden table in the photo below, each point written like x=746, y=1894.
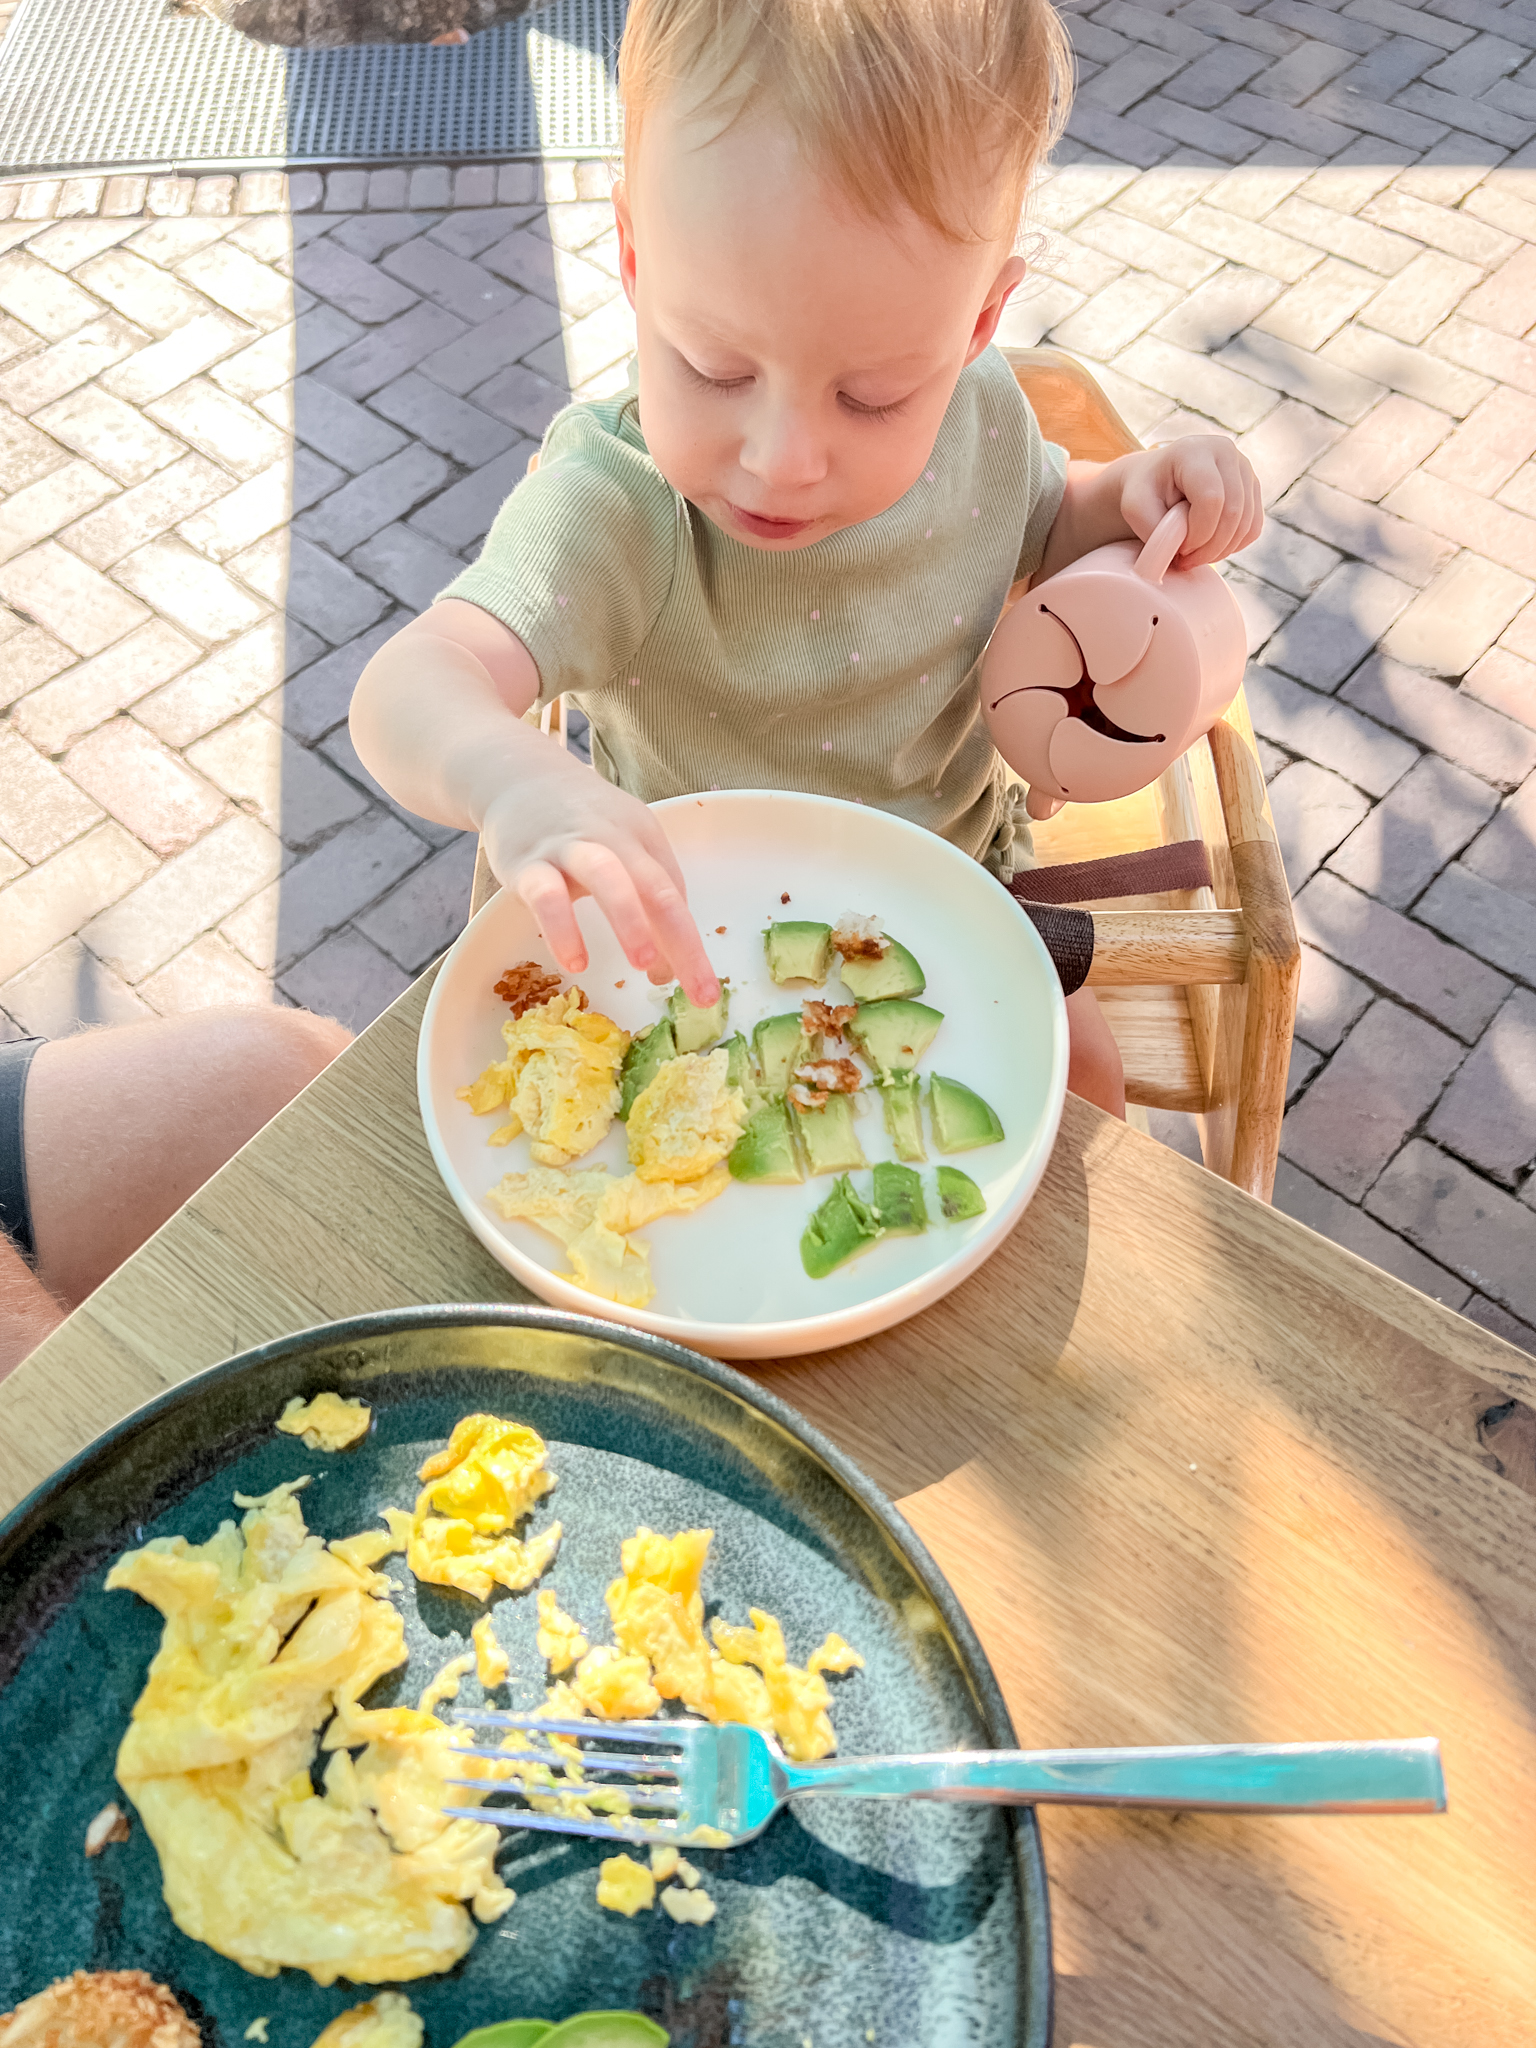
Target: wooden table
x=1196, y=1474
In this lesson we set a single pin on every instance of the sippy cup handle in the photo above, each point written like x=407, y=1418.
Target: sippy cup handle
x=1166, y=539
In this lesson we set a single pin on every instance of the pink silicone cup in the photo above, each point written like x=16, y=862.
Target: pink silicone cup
x=1160, y=650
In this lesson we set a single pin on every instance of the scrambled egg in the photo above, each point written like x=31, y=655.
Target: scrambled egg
x=560, y=1077
x=460, y=1534
x=658, y=1618
x=446, y=1684
x=384, y=2022
x=625, y=1886
x=269, y=1633
x=560, y=1639
x=686, y=1119
x=691, y=1909
x=328, y=1423
x=591, y=1213
x=491, y=1661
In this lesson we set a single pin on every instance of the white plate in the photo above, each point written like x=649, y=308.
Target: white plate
x=729, y=1278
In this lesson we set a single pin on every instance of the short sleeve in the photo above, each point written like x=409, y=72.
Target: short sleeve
x=1048, y=474
x=580, y=558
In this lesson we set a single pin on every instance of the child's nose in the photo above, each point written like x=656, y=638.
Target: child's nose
x=784, y=449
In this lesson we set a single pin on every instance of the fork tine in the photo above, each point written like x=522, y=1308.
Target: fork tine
x=664, y=1802
x=590, y=1760
x=512, y=1818
x=615, y=1731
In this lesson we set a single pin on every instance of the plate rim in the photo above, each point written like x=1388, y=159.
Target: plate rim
x=799, y=1334
x=1037, y=1990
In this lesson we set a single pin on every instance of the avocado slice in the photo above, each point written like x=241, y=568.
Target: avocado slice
x=897, y=1200
x=827, y=1134
x=838, y=1231
x=507, y=2034
x=766, y=1150
x=780, y=1045
x=901, y=1100
x=961, y=1120
x=740, y=1071
x=649, y=1051
x=697, y=1029
x=894, y=974
x=607, y=2030
x=798, y=950
x=893, y=1036
x=959, y=1196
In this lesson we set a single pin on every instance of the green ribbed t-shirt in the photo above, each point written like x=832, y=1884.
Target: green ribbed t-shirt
x=847, y=668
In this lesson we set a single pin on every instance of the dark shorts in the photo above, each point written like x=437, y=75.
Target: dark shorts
x=15, y=1209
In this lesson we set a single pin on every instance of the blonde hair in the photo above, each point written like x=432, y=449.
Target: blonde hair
x=943, y=105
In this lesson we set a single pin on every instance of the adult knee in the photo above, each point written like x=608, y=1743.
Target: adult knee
x=267, y=1055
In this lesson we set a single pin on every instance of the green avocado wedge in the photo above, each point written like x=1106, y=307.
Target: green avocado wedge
x=895, y=973
x=902, y=1101
x=649, y=1051
x=780, y=1045
x=766, y=1151
x=508, y=2034
x=961, y=1119
x=897, y=1199
x=838, y=1231
x=696, y=1029
x=798, y=950
x=830, y=1142
x=893, y=1036
x=959, y=1196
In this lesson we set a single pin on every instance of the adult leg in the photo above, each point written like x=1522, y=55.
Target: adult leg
x=1094, y=1067
x=123, y=1125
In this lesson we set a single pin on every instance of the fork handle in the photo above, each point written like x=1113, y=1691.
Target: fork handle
x=1248, y=1777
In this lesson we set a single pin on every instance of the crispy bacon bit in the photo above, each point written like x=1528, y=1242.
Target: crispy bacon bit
x=525, y=985
x=785, y=897
x=719, y=931
x=807, y=1098
x=859, y=937
x=125, y=2007
x=836, y=1077
x=827, y=1018
x=110, y=1825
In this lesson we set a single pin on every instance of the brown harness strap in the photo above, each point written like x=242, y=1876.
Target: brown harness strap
x=1046, y=894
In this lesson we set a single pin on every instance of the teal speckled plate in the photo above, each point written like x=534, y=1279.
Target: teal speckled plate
x=909, y=1925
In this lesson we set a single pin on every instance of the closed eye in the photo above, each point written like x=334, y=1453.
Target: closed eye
x=718, y=384
x=872, y=412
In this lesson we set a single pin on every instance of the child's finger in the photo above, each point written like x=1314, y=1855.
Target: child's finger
x=671, y=920
x=543, y=888
x=607, y=879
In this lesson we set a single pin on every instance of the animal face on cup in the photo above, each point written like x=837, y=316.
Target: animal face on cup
x=1104, y=674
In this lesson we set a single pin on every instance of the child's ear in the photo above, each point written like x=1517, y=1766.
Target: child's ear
x=624, y=222
x=1007, y=281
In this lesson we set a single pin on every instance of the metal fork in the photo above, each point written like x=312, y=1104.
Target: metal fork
x=716, y=1787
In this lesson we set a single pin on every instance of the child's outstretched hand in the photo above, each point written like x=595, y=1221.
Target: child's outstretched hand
x=565, y=833
x=1206, y=472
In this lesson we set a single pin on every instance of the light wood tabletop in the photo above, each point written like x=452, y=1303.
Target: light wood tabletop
x=1196, y=1474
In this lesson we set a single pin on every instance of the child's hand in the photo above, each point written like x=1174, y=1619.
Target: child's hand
x=1226, y=507
x=565, y=833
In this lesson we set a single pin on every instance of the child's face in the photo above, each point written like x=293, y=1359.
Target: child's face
x=796, y=359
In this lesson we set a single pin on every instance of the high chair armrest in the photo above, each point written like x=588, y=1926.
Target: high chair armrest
x=1168, y=948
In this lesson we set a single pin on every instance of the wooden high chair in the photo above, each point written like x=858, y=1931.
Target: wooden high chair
x=1197, y=985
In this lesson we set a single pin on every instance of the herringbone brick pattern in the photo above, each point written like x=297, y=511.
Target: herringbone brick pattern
x=246, y=428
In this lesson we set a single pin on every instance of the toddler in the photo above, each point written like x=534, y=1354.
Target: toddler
x=775, y=561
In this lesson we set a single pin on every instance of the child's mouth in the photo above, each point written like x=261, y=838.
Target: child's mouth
x=769, y=529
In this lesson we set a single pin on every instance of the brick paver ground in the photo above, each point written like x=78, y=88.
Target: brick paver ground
x=248, y=427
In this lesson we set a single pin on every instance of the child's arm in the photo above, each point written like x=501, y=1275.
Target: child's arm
x=1125, y=499
x=437, y=717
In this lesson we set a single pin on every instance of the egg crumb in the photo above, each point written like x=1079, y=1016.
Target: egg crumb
x=108, y=1826
x=271, y=1634
x=687, y=1876
x=490, y=1474
x=664, y=1863
x=384, y=2022
x=257, y=2030
x=690, y=1909
x=491, y=1661
x=560, y=1640
x=560, y=1079
x=327, y=1423
x=625, y=1886
x=446, y=1684
x=615, y=1687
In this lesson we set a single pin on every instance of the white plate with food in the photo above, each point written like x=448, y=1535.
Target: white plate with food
x=778, y=1179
